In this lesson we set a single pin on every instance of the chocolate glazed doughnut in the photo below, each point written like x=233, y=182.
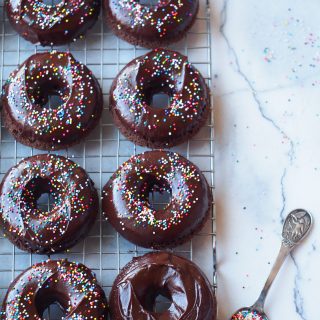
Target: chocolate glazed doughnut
x=151, y=26
x=72, y=214
x=159, y=71
x=72, y=286
x=58, y=24
x=26, y=93
x=126, y=203
x=135, y=290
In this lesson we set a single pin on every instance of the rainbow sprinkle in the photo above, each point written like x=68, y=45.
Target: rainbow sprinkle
x=248, y=315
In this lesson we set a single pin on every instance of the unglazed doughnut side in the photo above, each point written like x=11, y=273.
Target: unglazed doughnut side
x=135, y=289
x=71, y=216
x=25, y=93
x=73, y=286
x=126, y=206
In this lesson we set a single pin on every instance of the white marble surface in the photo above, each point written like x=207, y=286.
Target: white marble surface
x=267, y=112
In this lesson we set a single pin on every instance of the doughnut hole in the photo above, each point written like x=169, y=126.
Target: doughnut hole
x=157, y=300
x=53, y=101
x=54, y=311
x=52, y=302
x=51, y=94
x=51, y=89
x=40, y=195
x=160, y=100
x=162, y=303
x=157, y=295
x=158, y=192
x=159, y=91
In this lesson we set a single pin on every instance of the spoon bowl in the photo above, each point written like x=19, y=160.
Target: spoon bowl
x=249, y=314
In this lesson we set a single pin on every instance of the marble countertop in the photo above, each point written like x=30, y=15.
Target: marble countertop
x=267, y=123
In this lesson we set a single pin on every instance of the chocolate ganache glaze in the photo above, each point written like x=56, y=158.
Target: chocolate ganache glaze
x=135, y=290
x=72, y=214
x=46, y=24
x=126, y=203
x=73, y=286
x=26, y=93
x=151, y=26
x=159, y=71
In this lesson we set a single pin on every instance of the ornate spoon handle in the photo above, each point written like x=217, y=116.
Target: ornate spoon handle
x=295, y=228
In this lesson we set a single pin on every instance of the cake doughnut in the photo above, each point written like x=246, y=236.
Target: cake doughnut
x=159, y=71
x=72, y=286
x=74, y=209
x=26, y=94
x=58, y=24
x=135, y=290
x=151, y=26
x=126, y=205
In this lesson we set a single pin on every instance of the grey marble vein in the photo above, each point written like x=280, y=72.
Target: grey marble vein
x=249, y=83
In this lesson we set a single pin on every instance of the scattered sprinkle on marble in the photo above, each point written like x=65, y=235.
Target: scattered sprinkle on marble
x=268, y=55
x=301, y=42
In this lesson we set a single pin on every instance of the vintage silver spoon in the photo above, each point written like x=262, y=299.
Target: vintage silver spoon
x=296, y=226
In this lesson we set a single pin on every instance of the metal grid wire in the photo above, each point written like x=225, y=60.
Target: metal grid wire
x=104, y=250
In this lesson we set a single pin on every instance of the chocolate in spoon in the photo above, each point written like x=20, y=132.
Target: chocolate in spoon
x=295, y=228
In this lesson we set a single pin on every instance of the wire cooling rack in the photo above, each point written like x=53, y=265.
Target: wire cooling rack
x=104, y=250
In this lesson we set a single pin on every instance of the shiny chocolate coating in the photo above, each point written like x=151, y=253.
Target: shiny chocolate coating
x=126, y=203
x=139, y=283
x=151, y=26
x=58, y=24
x=32, y=121
x=73, y=212
x=159, y=71
x=71, y=285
